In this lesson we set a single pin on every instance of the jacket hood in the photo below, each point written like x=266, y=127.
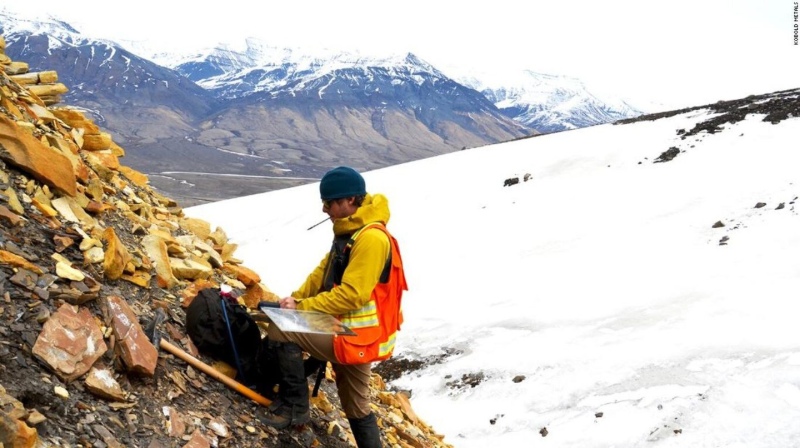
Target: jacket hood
x=374, y=209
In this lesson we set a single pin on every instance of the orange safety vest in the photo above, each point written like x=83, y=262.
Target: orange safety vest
x=377, y=322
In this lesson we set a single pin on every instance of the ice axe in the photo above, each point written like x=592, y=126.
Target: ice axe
x=155, y=337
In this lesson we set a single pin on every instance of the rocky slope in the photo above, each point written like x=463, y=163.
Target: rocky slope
x=88, y=251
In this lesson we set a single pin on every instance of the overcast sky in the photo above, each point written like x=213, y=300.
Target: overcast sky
x=682, y=52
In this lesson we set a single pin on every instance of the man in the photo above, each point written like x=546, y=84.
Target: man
x=361, y=282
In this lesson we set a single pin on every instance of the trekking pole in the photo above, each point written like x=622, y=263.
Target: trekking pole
x=222, y=297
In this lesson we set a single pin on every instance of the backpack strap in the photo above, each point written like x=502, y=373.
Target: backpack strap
x=340, y=257
x=223, y=298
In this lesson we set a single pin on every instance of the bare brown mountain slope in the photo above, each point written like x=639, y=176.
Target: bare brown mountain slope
x=247, y=142
x=88, y=250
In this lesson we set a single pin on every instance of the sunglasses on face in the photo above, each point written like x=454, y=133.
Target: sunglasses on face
x=327, y=203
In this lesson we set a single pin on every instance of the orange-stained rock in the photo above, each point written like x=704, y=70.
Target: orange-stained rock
x=76, y=119
x=47, y=165
x=243, y=274
x=104, y=158
x=47, y=90
x=96, y=208
x=227, y=250
x=197, y=226
x=42, y=113
x=139, y=278
x=191, y=268
x=16, y=68
x=16, y=434
x=405, y=405
x=134, y=176
x=44, y=208
x=94, y=188
x=256, y=293
x=48, y=77
x=16, y=261
x=219, y=237
x=13, y=201
x=156, y=249
x=117, y=150
x=96, y=142
x=71, y=210
x=70, y=342
x=136, y=350
x=211, y=254
x=190, y=292
x=103, y=172
x=11, y=406
x=116, y=257
x=11, y=108
x=70, y=151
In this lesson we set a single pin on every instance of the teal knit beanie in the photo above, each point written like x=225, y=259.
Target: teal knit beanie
x=341, y=182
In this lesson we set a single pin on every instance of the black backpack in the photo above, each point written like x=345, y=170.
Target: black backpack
x=207, y=327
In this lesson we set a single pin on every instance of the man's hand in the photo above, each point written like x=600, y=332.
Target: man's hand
x=288, y=303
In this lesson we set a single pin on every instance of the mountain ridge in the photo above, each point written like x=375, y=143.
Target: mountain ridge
x=297, y=117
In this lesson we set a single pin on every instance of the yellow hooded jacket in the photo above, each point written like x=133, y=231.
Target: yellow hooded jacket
x=367, y=259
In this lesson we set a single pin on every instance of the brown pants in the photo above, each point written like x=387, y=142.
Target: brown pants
x=352, y=381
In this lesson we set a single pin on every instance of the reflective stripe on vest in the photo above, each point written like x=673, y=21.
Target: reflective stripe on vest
x=386, y=348
x=366, y=316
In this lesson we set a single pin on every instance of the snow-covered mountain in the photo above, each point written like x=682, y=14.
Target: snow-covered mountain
x=101, y=75
x=293, y=75
x=260, y=111
x=548, y=103
x=13, y=26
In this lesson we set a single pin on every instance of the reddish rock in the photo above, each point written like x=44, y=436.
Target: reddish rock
x=243, y=274
x=198, y=440
x=175, y=424
x=70, y=342
x=8, y=218
x=136, y=350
